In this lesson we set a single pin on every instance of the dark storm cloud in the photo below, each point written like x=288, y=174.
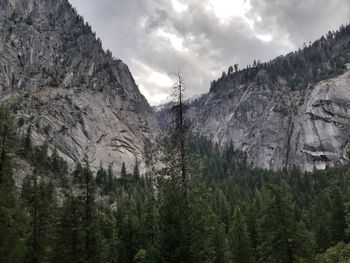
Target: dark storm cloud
x=155, y=40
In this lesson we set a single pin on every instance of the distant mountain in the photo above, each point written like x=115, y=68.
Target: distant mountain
x=291, y=111
x=59, y=81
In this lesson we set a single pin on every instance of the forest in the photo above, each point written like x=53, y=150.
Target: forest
x=220, y=211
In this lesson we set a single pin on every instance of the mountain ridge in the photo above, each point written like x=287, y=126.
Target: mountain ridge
x=58, y=80
x=282, y=113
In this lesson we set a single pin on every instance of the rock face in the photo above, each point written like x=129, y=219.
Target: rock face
x=321, y=133
x=291, y=111
x=276, y=127
x=74, y=95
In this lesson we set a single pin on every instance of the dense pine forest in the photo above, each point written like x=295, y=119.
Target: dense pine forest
x=221, y=211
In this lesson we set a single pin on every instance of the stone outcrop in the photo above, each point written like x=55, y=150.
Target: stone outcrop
x=276, y=127
x=57, y=78
x=321, y=131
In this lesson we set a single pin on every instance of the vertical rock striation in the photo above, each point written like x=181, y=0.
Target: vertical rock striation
x=75, y=96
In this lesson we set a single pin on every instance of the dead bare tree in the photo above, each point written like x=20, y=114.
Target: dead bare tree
x=179, y=127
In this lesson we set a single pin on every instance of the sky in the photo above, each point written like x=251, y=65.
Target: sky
x=202, y=38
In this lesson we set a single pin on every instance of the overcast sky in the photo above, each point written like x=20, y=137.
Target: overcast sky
x=156, y=38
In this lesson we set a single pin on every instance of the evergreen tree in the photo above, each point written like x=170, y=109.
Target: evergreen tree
x=128, y=228
x=200, y=224
x=337, y=216
x=220, y=244
x=172, y=224
x=69, y=246
x=320, y=221
x=123, y=173
x=282, y=239
x=12, y=218
x=109, y=240
x=136, y=171
x=89, y=222
x=101, y=178
x=149, y=229
x=177, y=159
x=57, y=165
x=240, y=245
x=39, y=199
x=337, y=254
x=27, y=150
x=8, y=143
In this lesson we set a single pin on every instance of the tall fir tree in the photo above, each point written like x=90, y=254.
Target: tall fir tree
x=40, y=202
x=69, y=238
x=240, y=244
x=12, y=219
x=282, y=238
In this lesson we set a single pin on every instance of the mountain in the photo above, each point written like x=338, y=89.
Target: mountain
x=58, y=80
x=291, y=111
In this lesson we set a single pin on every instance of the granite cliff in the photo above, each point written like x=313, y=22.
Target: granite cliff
x=291, y=111
x=57, y=79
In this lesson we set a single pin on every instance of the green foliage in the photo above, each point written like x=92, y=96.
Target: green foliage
x=337, y=254
x=240, y=244
x=12, y=218
x=141, y=256
x=226, y=212
x=171, y=211
x=69, y=233
x=38, y=198
x=282, y=238
x=123, y=172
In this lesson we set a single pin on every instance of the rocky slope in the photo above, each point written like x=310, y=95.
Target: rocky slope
x=277, y=129
x=60, y=82
x=292, y=111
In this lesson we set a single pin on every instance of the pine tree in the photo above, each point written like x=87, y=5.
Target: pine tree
x=69, y=232
x=39, y=199
x=136, y=171
x=110, y=187
x=27, y=150
x=240, y=245
x=89, y=222
x=57, y=165
x=149, y=229
x=282, y=238
x=128, y=228
x=123, y=173
x=108, y=237
x=320, y=222
x=200, y=224
x=177, y=159
x=8, y=143
x=12, y=218
x=172, y=211
x=101, y=178
x=337, y=216
x=220, y=244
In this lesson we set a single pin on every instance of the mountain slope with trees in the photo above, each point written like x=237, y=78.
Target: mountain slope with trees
x=225, y=212
x=291, y=111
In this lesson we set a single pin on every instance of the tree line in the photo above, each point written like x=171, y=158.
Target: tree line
x=314, y=62
x=204, y=205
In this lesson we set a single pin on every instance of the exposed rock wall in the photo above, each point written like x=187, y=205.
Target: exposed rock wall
x=322, y=128
x=275, y=126
x=58, y=79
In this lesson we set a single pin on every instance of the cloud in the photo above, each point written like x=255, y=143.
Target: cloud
x=204, y=37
